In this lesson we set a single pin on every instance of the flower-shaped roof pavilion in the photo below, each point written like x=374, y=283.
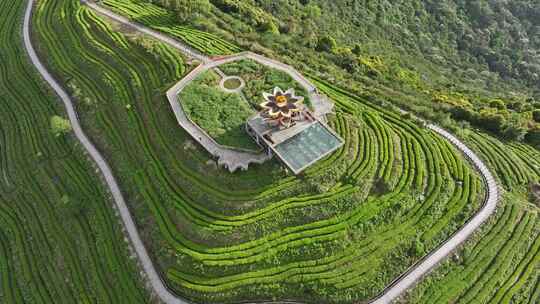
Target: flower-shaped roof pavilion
x=281, y=106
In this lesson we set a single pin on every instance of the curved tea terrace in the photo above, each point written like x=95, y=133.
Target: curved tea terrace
x=136, y=241
x=409, y=278
x=424, y=266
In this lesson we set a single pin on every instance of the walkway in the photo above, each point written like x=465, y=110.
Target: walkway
x=144, y=259
x=408, y=279
x=125, y=21
x=424, y=266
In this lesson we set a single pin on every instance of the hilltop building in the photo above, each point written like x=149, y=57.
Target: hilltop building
x=286, y=128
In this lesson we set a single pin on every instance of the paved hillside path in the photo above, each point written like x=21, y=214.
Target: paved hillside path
x=189, y=51
x=144, y=259
x=424, y=266
x=401, y=284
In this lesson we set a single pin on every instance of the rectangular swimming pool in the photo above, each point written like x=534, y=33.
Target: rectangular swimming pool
x=307, y=147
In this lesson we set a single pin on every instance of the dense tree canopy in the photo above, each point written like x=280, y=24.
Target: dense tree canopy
x=480, y=56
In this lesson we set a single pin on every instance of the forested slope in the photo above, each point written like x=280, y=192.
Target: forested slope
x=476, y=60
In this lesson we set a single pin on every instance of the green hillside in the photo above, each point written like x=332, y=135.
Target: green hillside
x=478, y=60
x=338, y=233
x=258, y=234
x=60, y=241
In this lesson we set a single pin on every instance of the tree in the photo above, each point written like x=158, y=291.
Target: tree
x=533, y=137
x=497, y=104
x=187, y=9
x=492, y=122
x=60, y=125
x=357, y=49
x=326, y=44
x=226, y=6
x=516, y=106
x=463, y=113
x=536, y=115
x=313, y=11
x=481, y=12
x=514, y=128
x=346, y=59
x=381, y=187
x=270, y=27
x=514, y=132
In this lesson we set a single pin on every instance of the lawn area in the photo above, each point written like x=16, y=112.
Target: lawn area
x=222, y=115
x=260, y=78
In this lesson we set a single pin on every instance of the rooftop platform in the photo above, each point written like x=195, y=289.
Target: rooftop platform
x=274, y=133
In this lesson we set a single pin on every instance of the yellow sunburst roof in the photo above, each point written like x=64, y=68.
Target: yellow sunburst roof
x=280, y=100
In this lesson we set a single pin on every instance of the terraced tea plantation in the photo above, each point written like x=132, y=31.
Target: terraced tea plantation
x=338, y=233
x=502, y=263
x=162, y=20
x=60, y=241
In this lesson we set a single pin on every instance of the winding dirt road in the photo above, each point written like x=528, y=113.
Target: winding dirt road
x=401, y=284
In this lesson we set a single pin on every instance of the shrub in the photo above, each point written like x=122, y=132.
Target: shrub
x=357, y=49
x=514, y=132
x=536, y=115
x=346, y=59
x=533, y=137
x=497, y=104
x=381, y=187
x=326, y=44
x=491, y=122
x=60, y=125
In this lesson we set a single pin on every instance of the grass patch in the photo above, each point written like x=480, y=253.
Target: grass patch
x=222, y=115
x=260, y=78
